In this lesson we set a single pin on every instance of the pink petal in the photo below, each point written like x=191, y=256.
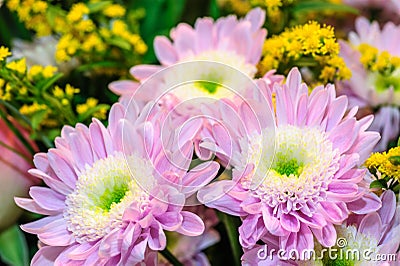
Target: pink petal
x=192, y=225
x=371, y=225
x=157, y=239
x=290, y=222
x=46, y=256
x=326, y=236
x=368, y=203
x=48, y=199
x=164, y=50
x=123, y=87
x=142, y=72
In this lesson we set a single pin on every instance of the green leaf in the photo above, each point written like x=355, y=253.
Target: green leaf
x=13, y=247
x=119, y=42
x=98, y=6
x=86, y=67
x=47, y=83
x=318, y=6
x=231, y=224
x=214, y=9
x=395, y=160
x=37, y=118
x=378, y=184
x=53, y=12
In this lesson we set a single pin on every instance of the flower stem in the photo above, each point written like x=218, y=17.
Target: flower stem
x=170, y=257
x=233, y=235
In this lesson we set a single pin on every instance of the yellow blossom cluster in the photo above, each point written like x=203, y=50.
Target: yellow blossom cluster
x=4, y=52
x=33, y=14
x=84, y=32
x=374, y=60
x=273, y=8
x=386, y=163
x=309, y=45
x=32, y=91
x=92, y=103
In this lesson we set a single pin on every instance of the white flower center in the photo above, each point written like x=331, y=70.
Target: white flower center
x=229, y=76
x=102, y=194
x=297, y=172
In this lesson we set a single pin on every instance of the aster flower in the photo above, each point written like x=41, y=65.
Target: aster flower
x=307, y=180
x=375, y=64
x=112, y=191
x=15, y=181
x=368, y=239
x=227, y=41
x=376, y=232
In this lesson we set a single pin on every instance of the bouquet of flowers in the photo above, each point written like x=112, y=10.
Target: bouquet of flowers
x=200, y=132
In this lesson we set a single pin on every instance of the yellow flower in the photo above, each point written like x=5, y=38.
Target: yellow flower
x=18, y=65
x=77, y=12
x=114, y=10
x=141, y=47
x=58, y=92
x=119, y=28
x=384, y=163
x=4, y=52
x=39, y=6
x=49, y=71
x=13, y=4
x=86, y=25
x=31, y=109
x=34, y=71
x=70, y=91
x=312, y=45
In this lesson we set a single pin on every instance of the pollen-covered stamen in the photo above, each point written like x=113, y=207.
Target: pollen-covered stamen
x=102, y=194
x=298, y=173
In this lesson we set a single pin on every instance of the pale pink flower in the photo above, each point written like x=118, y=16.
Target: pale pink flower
x=113, y=191
x=298, y=180
x=228, y=41
x=370, y=89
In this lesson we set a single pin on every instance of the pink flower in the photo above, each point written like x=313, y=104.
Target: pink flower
x=376, y=232
x=369, y=87
x=15, y=180
x=299, y=179
x=227, y=41
x=112, y=191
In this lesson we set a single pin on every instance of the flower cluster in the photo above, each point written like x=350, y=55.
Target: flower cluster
x=91, y=32
x=386, y=163
x=33, y=94
x=311, y=45
x=375, y=67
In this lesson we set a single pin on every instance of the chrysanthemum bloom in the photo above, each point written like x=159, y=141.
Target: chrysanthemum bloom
x=375, y=235
x=307, y=180
x=112, y=192
x=14, y=179
x=375, y=84
x=228, y=41
x=368, y=239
